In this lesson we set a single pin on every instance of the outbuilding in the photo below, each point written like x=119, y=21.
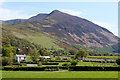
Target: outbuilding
x=20, y=58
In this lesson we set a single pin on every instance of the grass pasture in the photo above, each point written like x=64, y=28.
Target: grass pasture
x=44, y=41
x=56, y=74
x=108, y=57
x=95, y=64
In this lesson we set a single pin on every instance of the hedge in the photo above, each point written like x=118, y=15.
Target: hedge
x=99, y=61
x=59, y=60
x=30, y=62
x=93, y=68
x=50, y=63
x=56, y=68
x=26, y=68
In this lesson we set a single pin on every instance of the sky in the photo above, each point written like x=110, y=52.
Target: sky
x=104, y=14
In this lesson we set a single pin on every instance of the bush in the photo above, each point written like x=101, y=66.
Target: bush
x=6, y=61
x=65, y=59
x=118, y=61
x=0, y=61
x=66, y=64
x=23, y=64
x=74, y=62
x=39, y=64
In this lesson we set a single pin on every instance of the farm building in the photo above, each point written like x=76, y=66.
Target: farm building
x=20, y=58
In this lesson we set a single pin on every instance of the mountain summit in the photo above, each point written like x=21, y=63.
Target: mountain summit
x=67, y=29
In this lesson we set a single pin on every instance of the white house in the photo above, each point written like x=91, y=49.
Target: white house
x=19, y=58
x=45, y=57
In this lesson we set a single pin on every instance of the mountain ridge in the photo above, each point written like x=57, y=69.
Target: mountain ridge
x=68, y=28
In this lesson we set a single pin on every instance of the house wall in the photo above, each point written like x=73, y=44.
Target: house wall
x=19, y=59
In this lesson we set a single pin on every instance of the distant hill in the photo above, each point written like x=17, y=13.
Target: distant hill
x=61, y=30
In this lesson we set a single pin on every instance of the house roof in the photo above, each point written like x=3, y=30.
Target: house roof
x=21, y=55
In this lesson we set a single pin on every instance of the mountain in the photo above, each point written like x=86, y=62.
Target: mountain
x=14, y=21
x=61, y=30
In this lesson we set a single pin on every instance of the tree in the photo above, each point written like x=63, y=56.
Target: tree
x=74, y=62
x=6, y=61
x=72, y=52
x=43, y=52
x=34, y=55
x=7, y=55
x=7, y=51
x=118, y=61
x=81, y=53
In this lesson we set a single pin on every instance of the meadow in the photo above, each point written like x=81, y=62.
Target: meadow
x=108, y=57
x=81, y=63
x=60, y=74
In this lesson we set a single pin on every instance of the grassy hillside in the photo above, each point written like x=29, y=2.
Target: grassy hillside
x=44, y=41
x=36, y=35
x=31, y=34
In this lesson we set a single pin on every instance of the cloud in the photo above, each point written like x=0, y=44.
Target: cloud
x=111, y=27
x=2, y=2
x=72, y=12
x=6, y=14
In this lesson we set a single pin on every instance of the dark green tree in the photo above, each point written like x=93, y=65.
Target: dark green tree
x=72, y=52
x=34, y=55
x=43, y=52
x=81, y=53
x=118, y=61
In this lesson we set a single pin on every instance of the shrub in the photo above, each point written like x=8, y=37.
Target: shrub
x=16, y=64
x=66, y=64
x=65, y=59
x=0, y=61
x=74, y=62
x=118, y=61
x=58, y=58
x=39, y=64
x=6, y=61
x=23, y=64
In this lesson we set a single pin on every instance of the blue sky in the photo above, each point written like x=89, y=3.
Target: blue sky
x=101, y=13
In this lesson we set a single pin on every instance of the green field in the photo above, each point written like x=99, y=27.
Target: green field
x=108, y=57
x=56, y=74
x=44, y=41
x=95, y=64
x=80, y=63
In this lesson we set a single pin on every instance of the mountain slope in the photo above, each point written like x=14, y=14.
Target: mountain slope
x=64, y=29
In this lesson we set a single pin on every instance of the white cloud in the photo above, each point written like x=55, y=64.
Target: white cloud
x=72, y=12
x=6, y=14
x=111, y=27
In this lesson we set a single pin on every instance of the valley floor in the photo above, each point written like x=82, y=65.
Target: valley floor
x=60, y=74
